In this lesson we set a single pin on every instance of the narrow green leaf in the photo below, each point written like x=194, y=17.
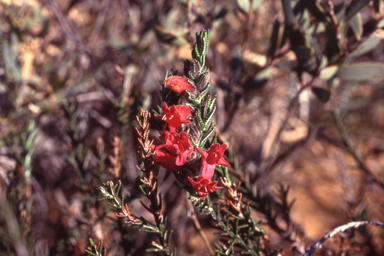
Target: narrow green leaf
x=244, y=5
x=355, y=7
x=168, y=37
x=117, y=187
x=339, y=10
x=368, y=45
x=317, y=11
x=381, y=24
x=256, y=4
x=206, y=135
x=328, y=72
x=258, y=80
x=105, y=198
x=361, y=71
x=356, y=24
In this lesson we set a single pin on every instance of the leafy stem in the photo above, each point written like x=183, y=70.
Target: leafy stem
x=200, y=48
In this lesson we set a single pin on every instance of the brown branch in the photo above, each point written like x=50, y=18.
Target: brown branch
x=192, y=215
x=274, y=152
x=146, y=152
x=340, y=229
x=115, y=158
x=189, y=20
x=352, y=149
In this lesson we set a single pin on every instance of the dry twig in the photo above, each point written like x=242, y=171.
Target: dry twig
x=340, y=229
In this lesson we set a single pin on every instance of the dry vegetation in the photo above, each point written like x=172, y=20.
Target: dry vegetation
x=75, y=73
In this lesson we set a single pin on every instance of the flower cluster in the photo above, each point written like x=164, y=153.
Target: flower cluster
x=188, y=147
x=180, y=156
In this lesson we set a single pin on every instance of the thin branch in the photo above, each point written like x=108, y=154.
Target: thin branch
x=274, y=152
x=192, y=215
x=340, y=229
x=100, y=20
x=352, y=149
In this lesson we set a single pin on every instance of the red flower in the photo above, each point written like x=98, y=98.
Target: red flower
x=212, y=158
x=175, y=116
x=174, y=152
x=203, y=186
x=165, y=159
x=178, y=145
x=178, y=84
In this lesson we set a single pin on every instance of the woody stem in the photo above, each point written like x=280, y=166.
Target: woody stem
x=192, y=215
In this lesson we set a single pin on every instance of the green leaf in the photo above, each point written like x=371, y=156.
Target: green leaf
x=356, y=24
x=317, y=11
x=381, y=24
x=322, y=93
x=200, y=48
x=355, y=7
x=361, y=71
x=328, y=72
x=256, y=4
x=168, y=37
x=366, y=46
x=258, y=80
x=340, y=12
x=244, y=5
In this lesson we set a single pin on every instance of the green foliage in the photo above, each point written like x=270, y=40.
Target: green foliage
x=362, y=71
x=243, y=231
x=200, y=48
x=336, y=21
x=111, y=192
x=96, y=250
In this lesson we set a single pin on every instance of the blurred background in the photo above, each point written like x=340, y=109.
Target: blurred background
x=75, y=73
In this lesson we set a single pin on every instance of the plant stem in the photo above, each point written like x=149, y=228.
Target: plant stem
x=268, y=167
x=192, y=215
x=351, y=147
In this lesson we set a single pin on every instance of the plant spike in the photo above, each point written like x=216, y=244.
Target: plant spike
x=200, y=48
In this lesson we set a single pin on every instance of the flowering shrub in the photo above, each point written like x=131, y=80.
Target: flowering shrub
x=189, y=149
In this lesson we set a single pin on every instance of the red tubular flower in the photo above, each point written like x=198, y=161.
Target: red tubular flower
x=203, y=186
x=165, y=159
x=175, y=116
x=178, y=84
x=178, y=145
x=212, y=158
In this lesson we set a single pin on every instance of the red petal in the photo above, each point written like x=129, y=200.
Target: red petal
x=202, y=152
x=166, y=160
x=182, y=111
x=178, y=84
x=203, y=186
